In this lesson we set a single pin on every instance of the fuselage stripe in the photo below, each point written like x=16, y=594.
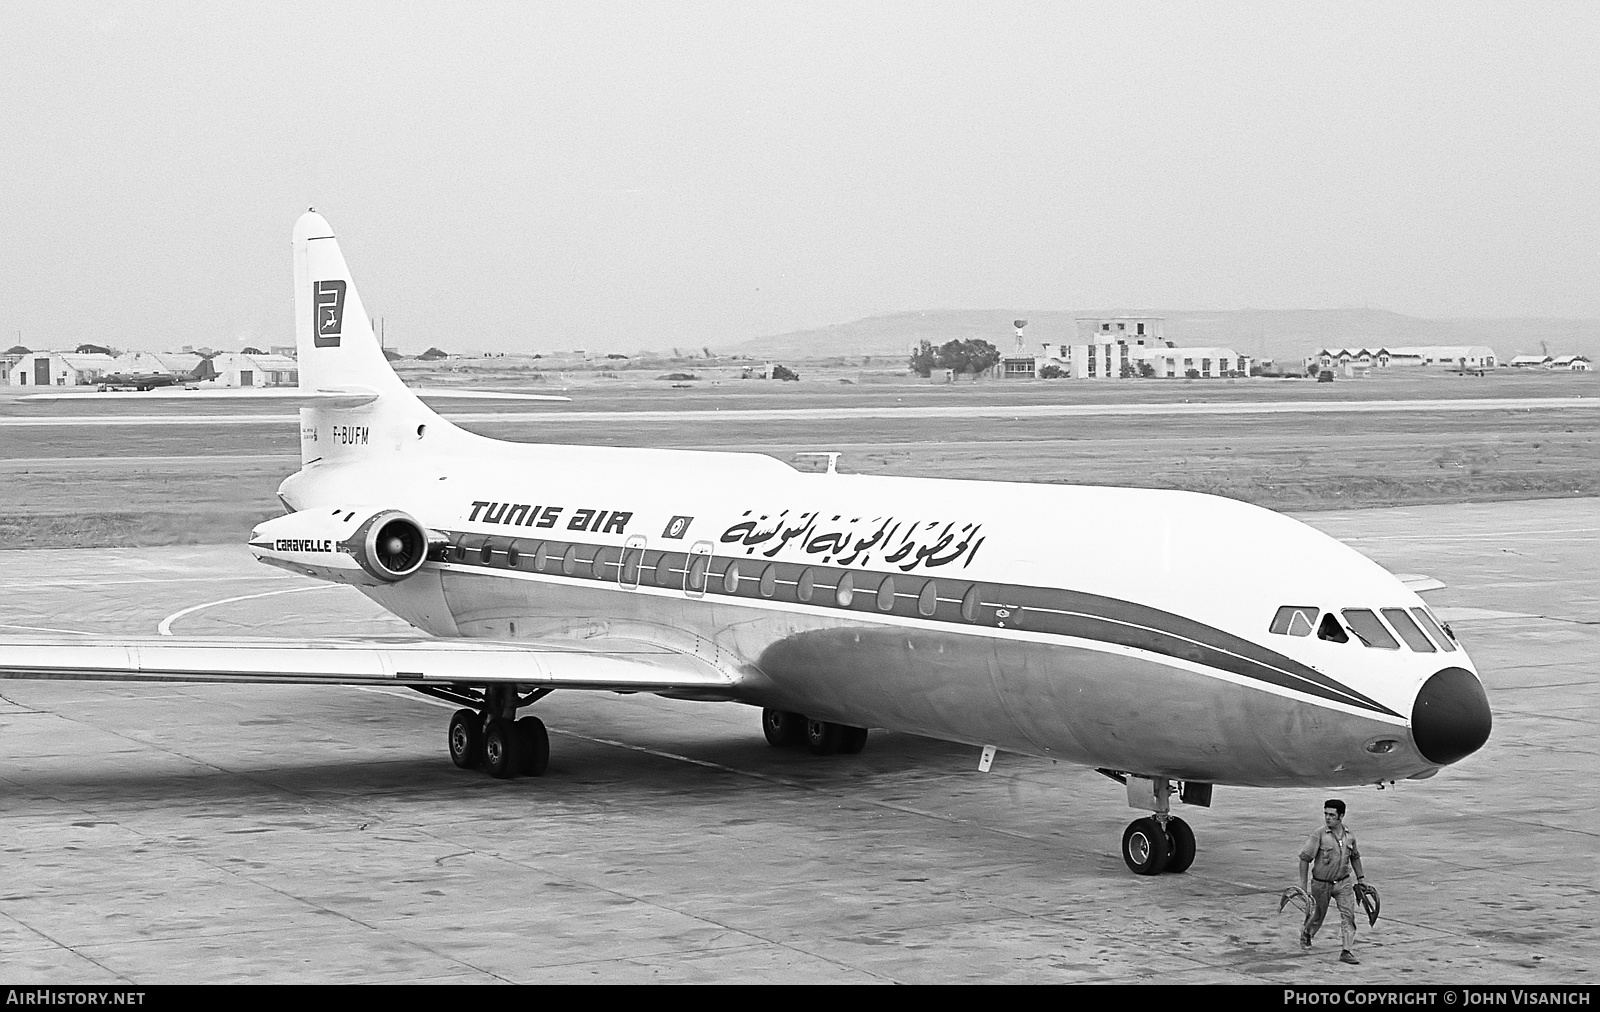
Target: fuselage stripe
x=1050, y=610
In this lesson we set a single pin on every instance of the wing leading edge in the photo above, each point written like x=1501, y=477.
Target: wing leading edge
x=627, y=666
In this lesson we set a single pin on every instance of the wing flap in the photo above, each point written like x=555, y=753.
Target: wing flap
x=621, y=666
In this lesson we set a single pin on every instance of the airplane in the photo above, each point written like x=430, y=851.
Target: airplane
x=142, y=381
x=1172, y=641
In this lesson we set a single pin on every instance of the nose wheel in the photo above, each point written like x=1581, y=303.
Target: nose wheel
x=1145, y=847
x=1161, y=842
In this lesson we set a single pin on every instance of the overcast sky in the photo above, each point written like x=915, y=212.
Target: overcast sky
x=522, y=176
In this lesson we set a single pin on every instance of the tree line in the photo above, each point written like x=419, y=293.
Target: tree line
x=972, y=356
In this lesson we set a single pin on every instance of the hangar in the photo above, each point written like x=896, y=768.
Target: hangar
x=60, y=369
x=242, y=369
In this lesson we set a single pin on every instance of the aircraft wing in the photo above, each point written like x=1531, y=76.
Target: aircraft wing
x=626, y=666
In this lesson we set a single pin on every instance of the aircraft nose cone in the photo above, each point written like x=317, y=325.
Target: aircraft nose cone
x=1450, y=719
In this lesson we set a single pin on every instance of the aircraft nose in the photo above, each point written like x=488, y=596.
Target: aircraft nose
x=1450, y=719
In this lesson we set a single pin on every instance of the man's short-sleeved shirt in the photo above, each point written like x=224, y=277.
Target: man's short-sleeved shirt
x=1330, y=856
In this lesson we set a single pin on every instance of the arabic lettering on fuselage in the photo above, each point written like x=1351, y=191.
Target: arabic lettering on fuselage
x=853, y=541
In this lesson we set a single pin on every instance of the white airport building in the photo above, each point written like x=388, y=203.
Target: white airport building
x=1117, y=347
x=60, y=369
x=175, y=363
x=240, y=369
x=1451, y=356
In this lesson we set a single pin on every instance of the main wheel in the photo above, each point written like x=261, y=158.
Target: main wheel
x=783, y=727
x=533, y=741
x=500, y=748
x=1182, y=838
x=1145, y=847
x=466, y=739
x=852, y=739
x=823, y=737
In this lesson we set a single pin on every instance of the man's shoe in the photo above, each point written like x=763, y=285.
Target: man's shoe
x=1305, y=940
x=1348, y=957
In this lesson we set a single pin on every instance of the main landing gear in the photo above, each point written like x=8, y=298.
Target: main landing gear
x=1161, y=842
x=493, y=739
x=783, y=727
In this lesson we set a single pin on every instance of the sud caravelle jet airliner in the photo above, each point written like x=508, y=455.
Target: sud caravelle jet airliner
x=1173, y=641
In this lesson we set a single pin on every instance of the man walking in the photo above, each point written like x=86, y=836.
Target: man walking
x=1330, y=854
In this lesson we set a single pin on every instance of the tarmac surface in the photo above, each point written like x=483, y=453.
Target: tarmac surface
x=172, y=834
x=743, y=414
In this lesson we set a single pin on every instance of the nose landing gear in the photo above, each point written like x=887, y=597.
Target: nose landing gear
x=1161, y=842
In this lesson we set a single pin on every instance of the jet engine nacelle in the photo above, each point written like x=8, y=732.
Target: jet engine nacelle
x=361, y=545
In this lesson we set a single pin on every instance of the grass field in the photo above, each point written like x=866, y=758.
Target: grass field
x=76, y=486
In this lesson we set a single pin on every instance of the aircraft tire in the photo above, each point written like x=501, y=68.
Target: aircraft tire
x=852, y=739
x=1182, y=839
x=465, y=739
x=500, y=749
x=1145, y=847
x=533, y=743
x=822, y=736
x=782, y=727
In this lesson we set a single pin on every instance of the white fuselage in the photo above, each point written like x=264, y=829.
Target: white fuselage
x=1118, y=628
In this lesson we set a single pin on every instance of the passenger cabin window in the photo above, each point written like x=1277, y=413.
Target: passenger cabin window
x=1294, y=620
x=886, y=594
x=928, y=599
x=664, y=570
x=695, y=579
x=730, y=579
x=569, y=562
x=1438, y=634
x=845, y=592
x=1369, y=629
x=769, y=580
x=804, y=588
x=1402, y=624
x=1331, y=630
x=969, y=604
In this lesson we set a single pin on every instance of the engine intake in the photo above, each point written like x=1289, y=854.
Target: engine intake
x=362, y=545
x=390, y=545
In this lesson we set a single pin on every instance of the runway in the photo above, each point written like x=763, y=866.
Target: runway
x=173, y=834
x=1016, y=411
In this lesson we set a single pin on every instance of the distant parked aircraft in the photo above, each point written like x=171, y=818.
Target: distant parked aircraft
x=151, y=380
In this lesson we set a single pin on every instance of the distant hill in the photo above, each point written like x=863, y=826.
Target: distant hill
x=1289, y=334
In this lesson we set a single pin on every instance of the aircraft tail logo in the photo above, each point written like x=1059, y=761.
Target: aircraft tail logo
x=327, y=300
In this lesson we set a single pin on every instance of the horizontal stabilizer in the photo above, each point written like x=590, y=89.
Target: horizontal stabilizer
x=615, y=665
x=445, y=393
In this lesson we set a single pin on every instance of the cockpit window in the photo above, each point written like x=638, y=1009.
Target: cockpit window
x=1369, y=629
x=1294, y=620
x=1414, y=637
x=1439, y=635
x=1331, y=630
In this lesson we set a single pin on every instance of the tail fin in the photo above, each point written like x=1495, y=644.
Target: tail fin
x=337, y=351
